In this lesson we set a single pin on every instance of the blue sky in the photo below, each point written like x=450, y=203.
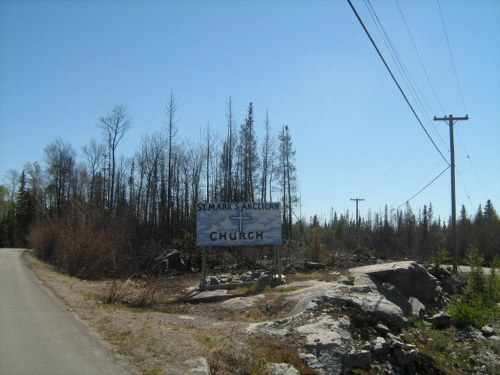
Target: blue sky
x=63, y=64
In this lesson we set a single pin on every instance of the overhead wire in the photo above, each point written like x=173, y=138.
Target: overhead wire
x=405, y=74
x=451, y=56
x=417, y=182
x=395, y=80
x=407, y=78
x=389, y=175
x=403, y=71
x=425, y=187
x=436, y=97
x=410, y=83
x=471, y=164
x=420, y=58
x=464, y=107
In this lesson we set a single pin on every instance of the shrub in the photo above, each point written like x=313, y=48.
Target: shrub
x=465, y=314
x=441, y=256
x=494, y=281
x=476, y=282
x=43, y=238
x=481, y=295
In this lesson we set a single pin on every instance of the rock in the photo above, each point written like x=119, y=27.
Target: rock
x=380, y=347
x=311, y=361
x=281, y=369
x=325, y=334
x=366, y=346
x=495, y=338
x=395, y=341
x=394, y=295
x=198, y=366
x=365, y=280
x=410, y=278
x=327, y=339
x=247, y=277
x=405, y=358
x=417, y=307
x=440, y=320
x=382, y=329
x=276, y=280
x=488, y=331
x=314, y=266
x=358, y=359
x=377, y=305
x=344, y=280
x=214, y=280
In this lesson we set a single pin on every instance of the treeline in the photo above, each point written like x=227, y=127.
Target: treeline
x=400, y=234
x=104, y=214
x=95, y=213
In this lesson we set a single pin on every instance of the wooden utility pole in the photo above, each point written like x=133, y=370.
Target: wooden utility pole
x=357, y=216
x=450, y=119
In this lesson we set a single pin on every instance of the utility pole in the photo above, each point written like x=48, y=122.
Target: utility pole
x=450, y=119
x=357, y=216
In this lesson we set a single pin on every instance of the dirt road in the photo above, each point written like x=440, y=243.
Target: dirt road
x=37, y=333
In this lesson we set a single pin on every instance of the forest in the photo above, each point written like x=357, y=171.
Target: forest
x=99, y=214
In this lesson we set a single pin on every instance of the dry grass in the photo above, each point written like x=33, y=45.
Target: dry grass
x=157, y=334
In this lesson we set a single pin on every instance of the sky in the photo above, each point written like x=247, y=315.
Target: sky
x=308, y=64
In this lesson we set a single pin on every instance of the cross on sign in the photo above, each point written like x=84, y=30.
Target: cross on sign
x=241, y=218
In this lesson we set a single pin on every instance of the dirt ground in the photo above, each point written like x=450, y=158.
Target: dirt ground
x=162, y=338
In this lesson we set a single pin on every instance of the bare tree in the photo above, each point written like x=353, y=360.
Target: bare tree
x=60, y=159
x=171, y=129
x=288, y=179
x=268, y=156
x=227, y=157
x=95, y=153
x=150, y=160
x=114, y=126
x=249, y=158
x=12, y=176
x=37, y=183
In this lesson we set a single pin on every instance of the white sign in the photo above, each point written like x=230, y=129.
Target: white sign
x=238, y=223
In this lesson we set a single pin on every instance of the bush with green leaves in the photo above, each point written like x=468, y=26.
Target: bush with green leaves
x=466, y=314
x=493, y=284
x=479, y=304
x=441, y=257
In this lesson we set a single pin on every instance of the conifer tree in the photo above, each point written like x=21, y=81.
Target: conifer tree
x=24, y=212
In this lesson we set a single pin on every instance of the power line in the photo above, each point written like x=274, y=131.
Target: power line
x=402, y=197
x=419, y=57
x=408, y=79
x=451, y=56
x=395, y=80
x=472, y=166
x=425, y=187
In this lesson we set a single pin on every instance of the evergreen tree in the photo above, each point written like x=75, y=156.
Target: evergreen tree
x=463, y=233
x=24, y=212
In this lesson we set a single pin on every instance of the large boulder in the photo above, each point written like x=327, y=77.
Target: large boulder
x=410, y=278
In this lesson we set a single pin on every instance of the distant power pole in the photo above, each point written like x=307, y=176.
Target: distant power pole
x=357, y=216
x=450, y=119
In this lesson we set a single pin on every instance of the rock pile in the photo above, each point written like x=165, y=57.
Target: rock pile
x=346, y=327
